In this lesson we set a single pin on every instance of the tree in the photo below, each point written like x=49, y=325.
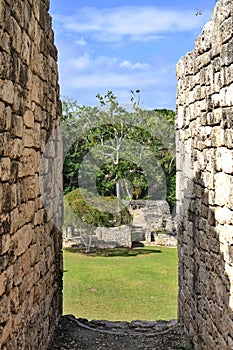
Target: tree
x=86, y=216
x=114, y=151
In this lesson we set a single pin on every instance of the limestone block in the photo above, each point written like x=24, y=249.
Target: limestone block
x=224, y=215
x=211, y=197
x=217, y=137
x=6, y=197
x=225, y=32
x=6, y=115
x=223, y=188
x=115, y=236
x=39, y=217
x=201, y=162
x=28, y=188
x=14, y=148
x=204, y=41
x=26, y=48
x=226, y=237
x=214, y=118
x=27, y=162
x=17, y=126
x=226, y=120
x=222, y=11
x=17, y=38
x=23, y=238
x=26, y=262
x=28, y=137
x=5, y=67
x=229, y=95
x=7, y=91
x=28, y=119
x=6, y=330
x=228, y=138
x=217, y=100
x=17, y=269
x=5, y=40
x=26, y=287
x=188, y=166
x=25, y=213
x=4, y=306
x=37, y=135
x=5, y=165
x=36, y=88
x=227, y=75
x=224, y=160
x=226, y=54
x=49, y=257
x=5, y=243
x=31, y=25
x=2, y=12
x=229, y=270
x=15, y=223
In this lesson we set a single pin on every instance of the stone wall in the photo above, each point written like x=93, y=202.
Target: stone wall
x=111, y=237
x=150, y=216
x=30, y=248
x=205, y=183
x=151, y=222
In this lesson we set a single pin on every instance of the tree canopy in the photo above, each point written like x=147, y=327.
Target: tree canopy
x=114, y=151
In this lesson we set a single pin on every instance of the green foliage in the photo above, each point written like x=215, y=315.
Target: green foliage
x=81, y=207
x=117, y=152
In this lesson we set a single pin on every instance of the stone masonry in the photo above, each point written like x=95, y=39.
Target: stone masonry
x=151, y=222
x=150, y=215
x=30, y=174
x=205, y=184
x=30, y=240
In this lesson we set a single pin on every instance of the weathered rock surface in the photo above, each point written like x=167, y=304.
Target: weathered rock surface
x=80, y=334
x=149, y=219
x=150, y=215
x=30, y=247
x=205, y=183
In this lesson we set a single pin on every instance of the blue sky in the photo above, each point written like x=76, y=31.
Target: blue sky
x=125, y=45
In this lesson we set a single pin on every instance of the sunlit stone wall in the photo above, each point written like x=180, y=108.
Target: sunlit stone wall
x=30, y=242
x=205, y=183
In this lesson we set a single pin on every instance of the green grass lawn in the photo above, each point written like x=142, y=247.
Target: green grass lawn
x=124, y=287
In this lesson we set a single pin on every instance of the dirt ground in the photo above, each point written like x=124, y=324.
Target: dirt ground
x=80, y=334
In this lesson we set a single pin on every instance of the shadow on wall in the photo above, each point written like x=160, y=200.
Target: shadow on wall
x=205, y=265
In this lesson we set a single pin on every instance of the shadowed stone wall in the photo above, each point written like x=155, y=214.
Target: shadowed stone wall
x=205, y=183
x=30, y=242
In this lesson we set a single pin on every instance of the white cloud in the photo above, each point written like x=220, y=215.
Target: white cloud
x=156, y=89
x=85, y=63
x=107, y=50
x=132, y=22
x=81, y=42
x=110, y=80
x=134, y=66
x=104, y=64
x=101, y=72
x=81, y=63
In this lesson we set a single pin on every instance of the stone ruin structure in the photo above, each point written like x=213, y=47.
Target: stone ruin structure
x=205, y=184
x=30, y=240
x=30, y=206
x=151, y=222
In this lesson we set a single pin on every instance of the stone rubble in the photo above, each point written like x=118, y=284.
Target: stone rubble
x=81, y=334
